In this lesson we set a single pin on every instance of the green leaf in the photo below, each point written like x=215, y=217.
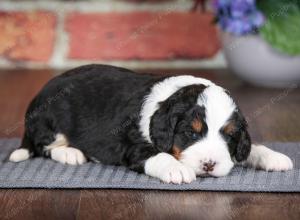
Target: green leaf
x=282, y=26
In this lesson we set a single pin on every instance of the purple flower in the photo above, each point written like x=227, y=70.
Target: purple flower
x=238, y=17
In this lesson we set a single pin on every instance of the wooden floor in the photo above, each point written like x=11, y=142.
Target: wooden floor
x=273, y=115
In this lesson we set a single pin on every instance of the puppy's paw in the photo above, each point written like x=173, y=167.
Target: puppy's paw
x=177, y=173
x=68, y=155
x=19, y=155
x=264, y=158
x=168, y=169
x=275, y=161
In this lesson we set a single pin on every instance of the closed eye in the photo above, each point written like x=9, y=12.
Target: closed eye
x=229, y=129
x=232, y=136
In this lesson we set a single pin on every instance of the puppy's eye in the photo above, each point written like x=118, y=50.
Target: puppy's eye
x=229, y=129
x=194, y=136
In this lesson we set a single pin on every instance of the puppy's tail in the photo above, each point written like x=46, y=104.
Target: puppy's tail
x=24, y=152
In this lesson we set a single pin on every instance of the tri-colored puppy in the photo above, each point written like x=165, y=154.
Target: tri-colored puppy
x=172, y=128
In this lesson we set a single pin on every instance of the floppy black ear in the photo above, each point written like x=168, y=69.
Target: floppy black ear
x=164, y=120
x=244, y=146
x=162, y=126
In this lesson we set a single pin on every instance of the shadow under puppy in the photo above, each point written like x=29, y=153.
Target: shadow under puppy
x=172, y=128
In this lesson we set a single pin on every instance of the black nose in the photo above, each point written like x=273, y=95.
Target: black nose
x=209, y=166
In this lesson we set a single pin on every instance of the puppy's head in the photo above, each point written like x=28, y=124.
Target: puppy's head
x=203, y=128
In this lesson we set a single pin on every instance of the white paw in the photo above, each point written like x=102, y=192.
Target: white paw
x=168, y=169
x=68, y=155
x=275, y=161
x=19, y=155
x=177, y=173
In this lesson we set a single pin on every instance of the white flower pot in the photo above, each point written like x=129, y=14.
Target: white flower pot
x=255, y=61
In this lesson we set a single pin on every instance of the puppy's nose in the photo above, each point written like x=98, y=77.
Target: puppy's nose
x=209, y=166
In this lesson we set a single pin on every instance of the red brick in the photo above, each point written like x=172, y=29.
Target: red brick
x=27, y=35
x=141, y=35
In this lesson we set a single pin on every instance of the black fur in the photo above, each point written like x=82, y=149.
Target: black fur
x=184, y=135
x=97, y=107
x=176, y=112
x=239, y=141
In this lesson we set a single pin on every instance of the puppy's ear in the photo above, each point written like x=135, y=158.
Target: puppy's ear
x=163, y=124
x=243, y=147
x=164, y=120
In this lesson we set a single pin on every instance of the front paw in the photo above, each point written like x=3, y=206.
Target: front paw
x=275, y=161
x=169, y=170
x=68, y=155
x=177, y=173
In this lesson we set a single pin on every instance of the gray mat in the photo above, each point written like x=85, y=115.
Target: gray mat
x=45, y=173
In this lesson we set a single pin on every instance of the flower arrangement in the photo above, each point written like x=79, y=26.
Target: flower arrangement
x=276, y=21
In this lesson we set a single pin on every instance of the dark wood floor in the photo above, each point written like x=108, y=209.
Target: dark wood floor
x=273, y=115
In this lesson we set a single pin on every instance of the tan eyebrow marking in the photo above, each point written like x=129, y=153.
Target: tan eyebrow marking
x=176, y=152
x=197, y=125
x=230, y=128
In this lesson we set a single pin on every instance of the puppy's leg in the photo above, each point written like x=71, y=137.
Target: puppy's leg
x=61, y=152
x=264, y=158
x=165, y=167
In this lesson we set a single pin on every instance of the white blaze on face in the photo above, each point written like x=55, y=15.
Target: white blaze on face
x=212, y=148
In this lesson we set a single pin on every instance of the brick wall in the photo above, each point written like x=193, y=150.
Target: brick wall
x=63, y=34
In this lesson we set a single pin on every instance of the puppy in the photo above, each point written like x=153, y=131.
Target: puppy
x=171, y=128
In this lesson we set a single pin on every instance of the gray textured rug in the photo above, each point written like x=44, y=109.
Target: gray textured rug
x=45, y=173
